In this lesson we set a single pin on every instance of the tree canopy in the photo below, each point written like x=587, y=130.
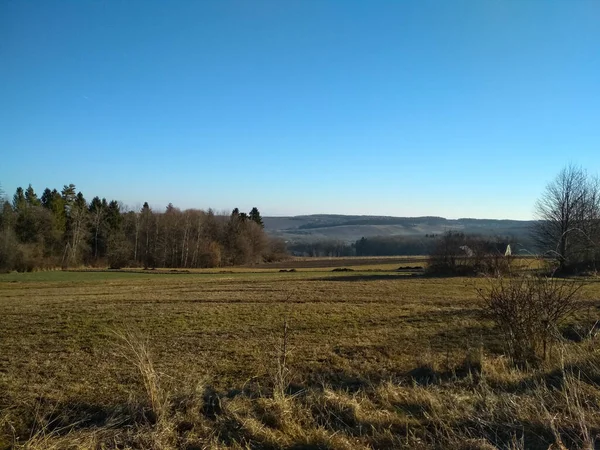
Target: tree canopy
x=65, y=229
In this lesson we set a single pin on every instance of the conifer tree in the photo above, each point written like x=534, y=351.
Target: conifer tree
x=31, y=197
x=68, y=196
x=255, y=217
x=19, y=201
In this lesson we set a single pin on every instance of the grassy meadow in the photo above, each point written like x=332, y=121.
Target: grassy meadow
x=246, y=358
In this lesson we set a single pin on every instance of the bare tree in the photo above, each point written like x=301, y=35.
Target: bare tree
x=567, y=216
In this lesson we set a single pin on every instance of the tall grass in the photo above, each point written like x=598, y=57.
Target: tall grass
x=503, y=408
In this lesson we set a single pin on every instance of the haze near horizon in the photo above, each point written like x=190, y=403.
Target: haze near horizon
x=429, y=108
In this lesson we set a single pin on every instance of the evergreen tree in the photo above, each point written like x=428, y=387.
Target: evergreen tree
x=255, y=217
x=31, y=197
x=52, y=201
x=114, y=219
x=80, y=201
x=56, y=205
x=68, y=196
x=47, y=198
x=19, y=200
x=33, y=225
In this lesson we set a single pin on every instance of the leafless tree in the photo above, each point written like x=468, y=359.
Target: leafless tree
x=567, y=213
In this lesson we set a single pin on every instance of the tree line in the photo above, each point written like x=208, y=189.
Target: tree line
x=63, y=229
x=384, y=246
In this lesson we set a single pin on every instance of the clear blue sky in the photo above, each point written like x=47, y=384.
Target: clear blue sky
x=450, y=108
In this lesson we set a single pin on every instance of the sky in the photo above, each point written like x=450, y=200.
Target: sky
x=405, y=108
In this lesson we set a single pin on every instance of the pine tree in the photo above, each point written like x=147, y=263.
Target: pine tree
x=47, y=198
x=68, y=196
x=255, y=217
x=19, y=201
x=114, y=219
x=31, y=197
x=56, y=205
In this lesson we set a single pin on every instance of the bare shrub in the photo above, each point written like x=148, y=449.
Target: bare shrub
x=528, y=311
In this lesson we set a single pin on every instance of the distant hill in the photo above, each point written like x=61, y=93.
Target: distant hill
x=348, y=229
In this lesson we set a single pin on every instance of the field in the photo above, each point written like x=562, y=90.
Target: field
x=246, y=358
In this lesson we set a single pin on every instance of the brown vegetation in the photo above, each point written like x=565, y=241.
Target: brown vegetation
x=310, y=359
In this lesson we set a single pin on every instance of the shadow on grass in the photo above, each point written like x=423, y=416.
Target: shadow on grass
x=398, y=274
x=555, y=379
x=47, y=417
x=535, y=435
x=363, y=277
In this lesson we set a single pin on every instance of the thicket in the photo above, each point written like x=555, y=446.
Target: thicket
x=458, y=254
x=63, y=229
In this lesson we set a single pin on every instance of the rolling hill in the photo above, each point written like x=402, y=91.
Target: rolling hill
x=311, y=228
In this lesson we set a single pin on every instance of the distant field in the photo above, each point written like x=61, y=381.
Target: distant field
x=369, y=262
x=355, y=340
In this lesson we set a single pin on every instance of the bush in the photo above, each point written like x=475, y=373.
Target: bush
x=529, y=311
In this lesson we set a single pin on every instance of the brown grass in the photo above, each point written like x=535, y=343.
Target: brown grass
x=372, y=360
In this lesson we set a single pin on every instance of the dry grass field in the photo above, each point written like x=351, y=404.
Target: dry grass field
x=372, y=358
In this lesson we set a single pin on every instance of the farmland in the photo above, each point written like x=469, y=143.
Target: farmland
x=374, y=357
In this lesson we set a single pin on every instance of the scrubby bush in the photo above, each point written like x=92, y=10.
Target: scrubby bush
x=529, y=310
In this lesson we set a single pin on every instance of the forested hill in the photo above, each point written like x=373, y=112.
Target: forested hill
x=351, y=228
